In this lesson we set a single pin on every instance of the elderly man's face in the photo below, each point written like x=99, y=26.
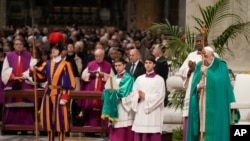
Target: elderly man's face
x=99, y=57
x=156, y=50
x=18, y=45
x=133, y=56
x=208, y=57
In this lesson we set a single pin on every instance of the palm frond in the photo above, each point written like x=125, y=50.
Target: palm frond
x=179, y=48
x=167, y=29
x=214, y=15
x=240, y=29
x=176, y=100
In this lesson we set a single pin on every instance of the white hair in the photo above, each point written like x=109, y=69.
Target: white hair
x=44, y=39
x=209, y=48
x=100, y=51
x=104, y=39
x=79, y=43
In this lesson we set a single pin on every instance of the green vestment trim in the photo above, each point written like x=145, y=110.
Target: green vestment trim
x=112, y=97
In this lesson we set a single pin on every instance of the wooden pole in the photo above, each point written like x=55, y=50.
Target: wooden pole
x=203, y=32
x=35, y=89
x=111, y=83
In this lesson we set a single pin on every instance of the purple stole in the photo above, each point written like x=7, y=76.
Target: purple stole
x=12, y=58
x=19, y=115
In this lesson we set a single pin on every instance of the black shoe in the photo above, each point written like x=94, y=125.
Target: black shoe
x=24, y=133
x=43, y=133
x=90, y=135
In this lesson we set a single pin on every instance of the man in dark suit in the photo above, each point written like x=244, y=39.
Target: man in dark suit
x=135, y=66
x=161, y=66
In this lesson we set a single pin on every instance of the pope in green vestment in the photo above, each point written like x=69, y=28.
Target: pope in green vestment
x=218, y=96
x=112, y=97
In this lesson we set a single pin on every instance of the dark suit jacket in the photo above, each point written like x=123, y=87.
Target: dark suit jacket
x=139, y=70
x=161, y=68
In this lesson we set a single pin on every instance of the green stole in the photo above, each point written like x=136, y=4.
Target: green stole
x=112, y=97
x=219, y=95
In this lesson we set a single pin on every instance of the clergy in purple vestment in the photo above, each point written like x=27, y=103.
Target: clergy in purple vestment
x=14, y=76
x=1, y=83
x=94, y=77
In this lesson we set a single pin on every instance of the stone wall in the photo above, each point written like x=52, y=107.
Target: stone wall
x=147, y=13
x=2, y=12
x=240, y=59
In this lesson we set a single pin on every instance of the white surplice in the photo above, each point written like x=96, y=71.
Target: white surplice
x=126, y=115
x=183, y=71
x=149, y=111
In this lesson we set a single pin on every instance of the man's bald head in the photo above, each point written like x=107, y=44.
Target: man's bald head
x=134, y=55
x=99, y=55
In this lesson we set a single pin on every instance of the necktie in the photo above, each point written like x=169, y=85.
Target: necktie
x=132, y=68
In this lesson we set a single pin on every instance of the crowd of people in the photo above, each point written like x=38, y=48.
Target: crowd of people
x=89, y=57
x=129, y=69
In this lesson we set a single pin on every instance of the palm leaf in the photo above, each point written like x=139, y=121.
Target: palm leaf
x=214, y=15
x=179, y=48
x=177, y=99
x=233, y=31
x=166, y=28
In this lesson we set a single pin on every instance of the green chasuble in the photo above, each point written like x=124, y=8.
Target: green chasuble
x=219, y=95
x=112, y=97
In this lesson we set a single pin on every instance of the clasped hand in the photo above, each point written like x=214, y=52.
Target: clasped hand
x=201, y=85
x=141, y=94
x=93, y=73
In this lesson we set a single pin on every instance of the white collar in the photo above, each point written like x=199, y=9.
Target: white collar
x=150, y=72
x=156, y=58
x=136, y=62
x=57, y=59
